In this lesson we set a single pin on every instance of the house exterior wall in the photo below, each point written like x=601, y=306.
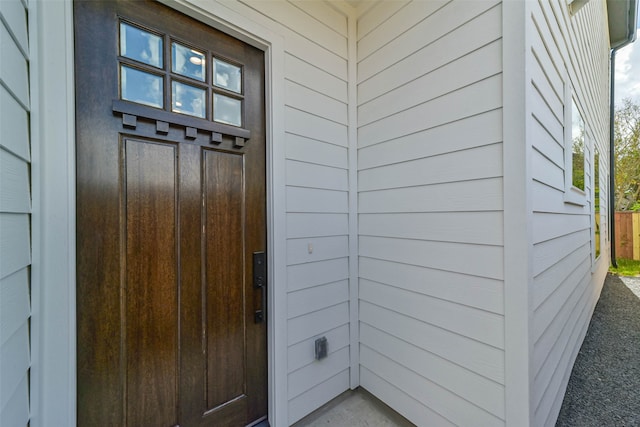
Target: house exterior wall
x=15, y=214
x=430, y=210
x=564, y=51
x=317, y=191
x=425, y=155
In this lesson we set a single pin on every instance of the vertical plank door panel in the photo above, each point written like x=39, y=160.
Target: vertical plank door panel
x=223, y=197
x=151, y=319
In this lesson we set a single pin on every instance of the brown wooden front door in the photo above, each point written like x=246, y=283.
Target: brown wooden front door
x=171, y=229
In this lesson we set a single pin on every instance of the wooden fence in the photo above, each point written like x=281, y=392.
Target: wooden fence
x=628, y=235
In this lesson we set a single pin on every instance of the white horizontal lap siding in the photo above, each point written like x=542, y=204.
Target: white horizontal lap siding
x=430, y=204
x=566, y=285
x=15, y=209
x=317, y=187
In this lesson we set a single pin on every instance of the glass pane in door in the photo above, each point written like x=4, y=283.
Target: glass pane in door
x=227, y=76
x=188, y=99
x=188, y=62
x=140, y=45
x=227, y=110
x=141, y=87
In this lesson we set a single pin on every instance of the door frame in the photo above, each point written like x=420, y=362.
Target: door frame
x=53, y=333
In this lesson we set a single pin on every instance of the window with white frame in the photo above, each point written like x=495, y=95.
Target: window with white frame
x=597, y=217
x=575, y=147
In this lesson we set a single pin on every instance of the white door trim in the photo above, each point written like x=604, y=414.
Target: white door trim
x=53, y=344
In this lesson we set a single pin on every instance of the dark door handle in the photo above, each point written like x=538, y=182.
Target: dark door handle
x=260, y=281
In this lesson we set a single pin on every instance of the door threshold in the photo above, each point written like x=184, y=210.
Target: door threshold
x=263, y=422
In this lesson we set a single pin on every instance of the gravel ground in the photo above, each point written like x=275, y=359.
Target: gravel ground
x=604, y=388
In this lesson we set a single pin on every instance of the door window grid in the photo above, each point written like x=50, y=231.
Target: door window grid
x=185, y=87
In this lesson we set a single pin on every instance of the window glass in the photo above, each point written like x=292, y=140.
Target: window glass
x=141, y=87
x=227, y=110
x=188, y=62
x=140, y=45
x=227, y=76
x=577, y=147
x=187, y=99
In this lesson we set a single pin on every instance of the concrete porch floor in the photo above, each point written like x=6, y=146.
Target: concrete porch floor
x=354, y=408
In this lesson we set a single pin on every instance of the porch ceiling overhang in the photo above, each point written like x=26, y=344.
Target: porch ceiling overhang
x=623, y=16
